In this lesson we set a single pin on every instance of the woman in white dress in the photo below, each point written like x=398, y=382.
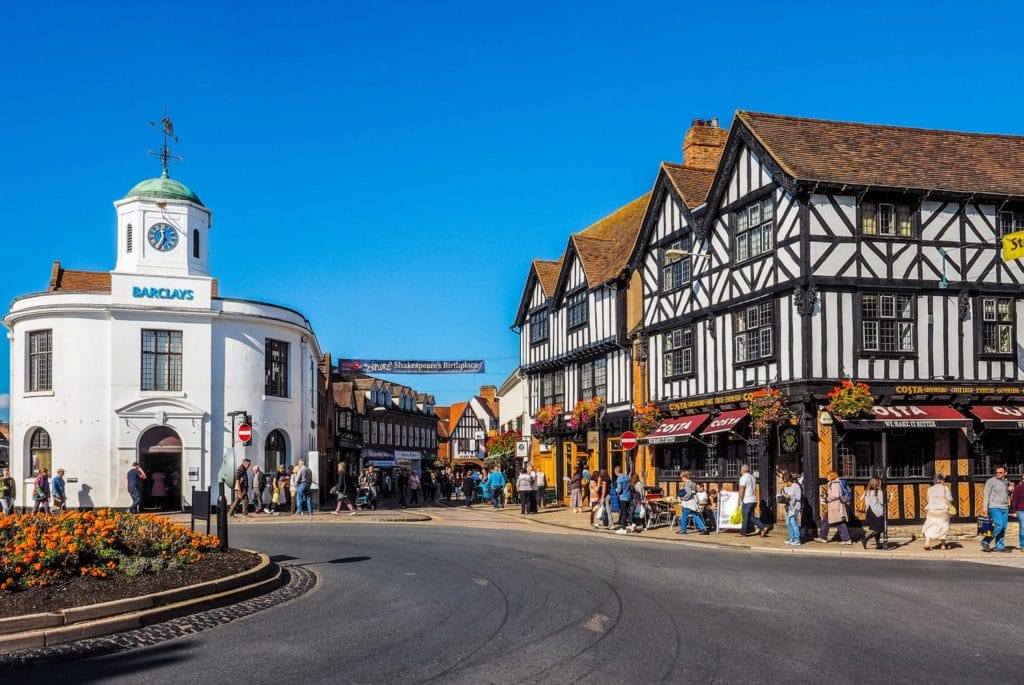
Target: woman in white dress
x=938, y=501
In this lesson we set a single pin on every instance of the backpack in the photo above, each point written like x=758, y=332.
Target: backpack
x=844, y=492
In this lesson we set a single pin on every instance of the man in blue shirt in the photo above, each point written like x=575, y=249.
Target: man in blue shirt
x=58, y=489
x=623, y=490
x=135, y=477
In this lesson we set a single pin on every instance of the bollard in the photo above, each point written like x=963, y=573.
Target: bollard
x=222, y=518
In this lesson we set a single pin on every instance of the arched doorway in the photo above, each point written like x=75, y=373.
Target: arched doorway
x=160, y=456
x=275, y=452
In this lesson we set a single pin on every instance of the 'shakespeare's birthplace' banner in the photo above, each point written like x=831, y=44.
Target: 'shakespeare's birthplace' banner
x=396, y=366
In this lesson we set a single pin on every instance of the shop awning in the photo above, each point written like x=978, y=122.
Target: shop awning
x=999, y=416
x=725, y=422
x=911, y=416
x=677, y=429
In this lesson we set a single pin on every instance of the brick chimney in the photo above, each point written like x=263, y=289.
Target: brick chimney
x=489, y=392
x=703, y=144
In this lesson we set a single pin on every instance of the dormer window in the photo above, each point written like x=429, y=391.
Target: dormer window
x=576, y=308
x=539, y=326
x=675, y=270
x=886, y=219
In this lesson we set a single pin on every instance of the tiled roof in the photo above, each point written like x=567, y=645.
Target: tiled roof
x=693, y=185
x=607, y=244
x=443, y=426
x=547, y=274
x=67, y=280
x=344, y=397
x=891, y=156
x=489, y=407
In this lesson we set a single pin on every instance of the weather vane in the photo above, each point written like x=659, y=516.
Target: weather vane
x=166, y=126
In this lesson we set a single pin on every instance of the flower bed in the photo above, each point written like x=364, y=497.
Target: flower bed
x=43, y=550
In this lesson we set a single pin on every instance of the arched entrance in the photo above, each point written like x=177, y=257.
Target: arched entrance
x=160, y=456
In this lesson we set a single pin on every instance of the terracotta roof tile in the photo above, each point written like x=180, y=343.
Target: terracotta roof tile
x=547, y=274
x=607, y=244
x=891, y=156
x=443, y=425
x=693, y=185
x=67, y=280
x=344, y=396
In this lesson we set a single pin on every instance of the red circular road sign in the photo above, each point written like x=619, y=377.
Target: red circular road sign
x=627, y=440
x=245, y=432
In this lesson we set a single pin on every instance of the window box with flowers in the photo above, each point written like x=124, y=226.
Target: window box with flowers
x=584, y=413
x=546, y=419
x=646, y=419
x=850, y=400
x=767, y=407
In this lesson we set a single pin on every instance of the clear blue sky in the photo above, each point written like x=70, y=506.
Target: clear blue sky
x=391, y=168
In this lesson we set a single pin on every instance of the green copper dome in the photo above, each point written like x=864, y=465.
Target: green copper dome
x=164, y=188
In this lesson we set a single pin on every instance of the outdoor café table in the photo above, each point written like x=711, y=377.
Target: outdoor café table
x=661, y=511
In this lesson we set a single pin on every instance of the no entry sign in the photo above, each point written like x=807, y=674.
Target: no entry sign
x=244, y=432
x=627, y=440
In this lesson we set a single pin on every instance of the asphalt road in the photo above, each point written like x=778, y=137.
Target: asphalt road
x=440, y=603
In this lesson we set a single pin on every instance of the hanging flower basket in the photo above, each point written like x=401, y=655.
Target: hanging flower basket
x=502, y=444
x=767, y=407
x=646, y=419
x=850, y=400
x=584, y=413
x=545, y=420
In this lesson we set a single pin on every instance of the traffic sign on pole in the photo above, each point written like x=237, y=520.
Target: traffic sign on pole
x=245, y=433
x=627, y=440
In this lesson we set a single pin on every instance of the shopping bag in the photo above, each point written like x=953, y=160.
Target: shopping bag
x=737, y=516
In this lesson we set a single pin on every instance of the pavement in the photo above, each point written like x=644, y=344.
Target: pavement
x=966, y=548
x=477, y=597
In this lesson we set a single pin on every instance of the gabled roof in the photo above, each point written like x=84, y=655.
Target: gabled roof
x=67, y=280
x=890, y=156
x=547, y=274
x=692, y=185
x=344, y=395
x=488, y=407
x=455, y=414
x=605, y=246
x=443, y=425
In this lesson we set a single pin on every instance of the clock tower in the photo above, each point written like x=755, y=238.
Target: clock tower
x=162, y=229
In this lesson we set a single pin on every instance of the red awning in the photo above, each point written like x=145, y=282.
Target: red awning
x=676, y=429
x=999, y=416
x=725, y=422
x=912, y=416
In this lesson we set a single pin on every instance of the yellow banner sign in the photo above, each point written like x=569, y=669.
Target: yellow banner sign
x=1013, y=246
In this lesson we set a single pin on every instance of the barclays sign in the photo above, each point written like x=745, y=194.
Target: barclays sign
x=162, y=293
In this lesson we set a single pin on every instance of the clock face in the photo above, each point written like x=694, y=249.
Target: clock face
x=163, y=237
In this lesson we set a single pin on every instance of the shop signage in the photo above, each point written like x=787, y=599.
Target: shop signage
x=1012, y=417
x=593, y=440
x=725, y=421
x=394, y=366
x=162, y=293
x=523, y=448
x=914, y=416
x=728, y=501
x=959, y=390
x=710, y=401
x=789, y=440
x=1013, y=246
x=677, y=429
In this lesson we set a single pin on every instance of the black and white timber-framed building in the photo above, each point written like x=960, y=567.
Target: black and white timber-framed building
x=822, y=251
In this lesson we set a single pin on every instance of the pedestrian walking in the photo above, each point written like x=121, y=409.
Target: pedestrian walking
x=303, y=495
x=606, y=497
x=623, y=491
x=576, y=491
x=280, y=499
x=8, y=492
x=468, y=487
x=158, y=489
x=640, y=506
x=540, y=484
x=41, y=492
x=871, y=505
x=241, y=489
x=496, y=486
x=293, y=490
x=792, y=495
x=525, y=485
x=596, y=496
x=60, y=497
x=135, y=477
x=259, y=486
x=414, y=489
x=995, y=504
x=689, y=505
x=938, y=501
x=1017, y=508
x=836, y=501
x=748, y=503
x=340, y=491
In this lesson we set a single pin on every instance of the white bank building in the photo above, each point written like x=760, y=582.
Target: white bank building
x=148, y=363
